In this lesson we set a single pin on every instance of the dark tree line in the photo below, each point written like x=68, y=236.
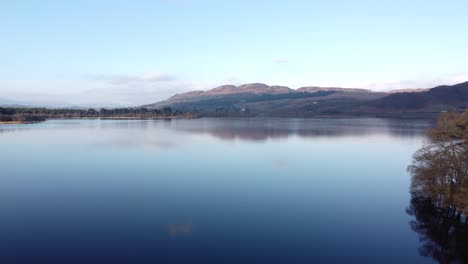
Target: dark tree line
x=138, y=112
x=40, y=114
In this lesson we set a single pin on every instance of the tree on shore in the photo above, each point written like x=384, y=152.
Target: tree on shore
x=439, y=190
x=40, y=114
x=440, y=167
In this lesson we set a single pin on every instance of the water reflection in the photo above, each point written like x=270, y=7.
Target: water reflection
x=156, y=191
x=261, y=129
x=151, y=133
x=443, y=231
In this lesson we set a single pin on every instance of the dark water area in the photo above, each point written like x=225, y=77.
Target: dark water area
x=209, y=191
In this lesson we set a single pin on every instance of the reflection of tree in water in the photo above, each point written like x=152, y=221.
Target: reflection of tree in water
x=443, y=231
x=439, y=189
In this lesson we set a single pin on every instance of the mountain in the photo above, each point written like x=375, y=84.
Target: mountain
x=259, y=99
x=50, y=104
x=313, y=89
x=9, y=103
x=417, y=90
x=247, y=93
x=441, y=98
x=253, y=88
x=33, y=103
x=249, y=90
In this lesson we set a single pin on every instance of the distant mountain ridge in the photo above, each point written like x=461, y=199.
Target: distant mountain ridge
x=12, y=103
x=313, y=89
x=260, y=99
x=252, y=89
x=441, y=96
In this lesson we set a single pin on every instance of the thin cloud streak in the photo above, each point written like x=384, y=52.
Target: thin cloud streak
x=280, y=61
x=124, y=79
x=416, y=84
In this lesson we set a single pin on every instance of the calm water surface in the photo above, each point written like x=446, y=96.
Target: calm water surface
x=208, y=191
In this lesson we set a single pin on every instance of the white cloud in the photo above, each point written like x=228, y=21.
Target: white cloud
x=387, y=85
x=124, y=79
x=459, y=79
x=280, y=60
x=157, y=77
x=106, y=90
x=134, y=90
x=133, y=94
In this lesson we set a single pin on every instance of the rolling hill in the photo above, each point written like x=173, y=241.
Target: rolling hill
x=259, y=99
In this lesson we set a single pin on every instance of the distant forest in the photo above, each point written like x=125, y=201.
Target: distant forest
x=26, y=115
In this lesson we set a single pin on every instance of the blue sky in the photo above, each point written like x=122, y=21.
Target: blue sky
x=135, y=52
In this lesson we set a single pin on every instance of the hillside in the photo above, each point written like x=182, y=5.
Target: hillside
x=441, y=98
x=260, y=99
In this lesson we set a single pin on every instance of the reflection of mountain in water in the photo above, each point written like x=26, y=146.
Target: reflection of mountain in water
x=259, y=129
x=154, y=133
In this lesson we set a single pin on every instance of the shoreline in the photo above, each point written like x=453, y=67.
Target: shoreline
x=17, y=122
x=178, y=117
x=11, y=122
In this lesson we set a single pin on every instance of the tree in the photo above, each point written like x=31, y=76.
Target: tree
x=7, y=111
x=167, y=111
x=439, y=190
x=440, y=168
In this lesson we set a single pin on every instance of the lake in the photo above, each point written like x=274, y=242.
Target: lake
x=252, y=190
